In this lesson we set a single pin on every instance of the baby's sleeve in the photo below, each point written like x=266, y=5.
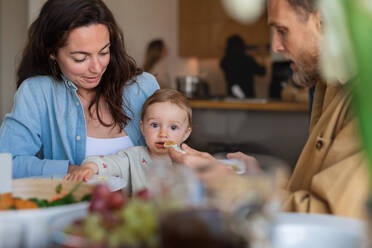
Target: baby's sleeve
x=111, y=165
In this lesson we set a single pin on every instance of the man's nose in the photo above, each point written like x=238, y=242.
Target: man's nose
x=276, y=44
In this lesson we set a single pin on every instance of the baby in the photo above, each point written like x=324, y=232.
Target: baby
x=166, y=117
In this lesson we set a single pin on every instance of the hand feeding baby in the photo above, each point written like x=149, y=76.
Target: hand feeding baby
x=171, y=144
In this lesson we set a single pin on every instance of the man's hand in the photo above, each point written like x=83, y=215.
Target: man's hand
x=250, y=162
x=192, y=158
x=205, y=165
x=83, y=173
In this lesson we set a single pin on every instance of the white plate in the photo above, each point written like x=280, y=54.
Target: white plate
x=114, y=183
x=56, y=226
x=294, y=230
x=28, y=228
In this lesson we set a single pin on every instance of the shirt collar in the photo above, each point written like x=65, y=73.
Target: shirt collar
x=68, y=82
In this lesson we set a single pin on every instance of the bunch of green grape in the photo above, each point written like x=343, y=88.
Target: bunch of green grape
x=117, y=221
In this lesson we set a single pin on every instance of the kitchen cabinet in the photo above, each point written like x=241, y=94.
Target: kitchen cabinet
x=204, y=27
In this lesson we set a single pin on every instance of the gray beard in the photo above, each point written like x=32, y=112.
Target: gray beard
x=305, y=79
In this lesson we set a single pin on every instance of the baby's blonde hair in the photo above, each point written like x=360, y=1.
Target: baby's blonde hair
x=171, y=96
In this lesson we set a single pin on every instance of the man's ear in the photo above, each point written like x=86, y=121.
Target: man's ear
x=187, y=134
x=319, y=21
x=141, y=126
x=52, y=56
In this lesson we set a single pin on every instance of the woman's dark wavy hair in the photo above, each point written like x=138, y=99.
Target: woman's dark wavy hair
x=50, y=31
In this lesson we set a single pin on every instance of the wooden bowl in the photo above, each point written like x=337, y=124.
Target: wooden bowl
x=45, y=188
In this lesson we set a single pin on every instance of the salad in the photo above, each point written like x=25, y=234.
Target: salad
x=9, y=202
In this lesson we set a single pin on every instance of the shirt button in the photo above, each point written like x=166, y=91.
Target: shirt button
x=77, y=137
x=77, y=103
x=319, y=145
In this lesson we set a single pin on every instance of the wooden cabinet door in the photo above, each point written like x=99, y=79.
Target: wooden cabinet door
x=204, y=28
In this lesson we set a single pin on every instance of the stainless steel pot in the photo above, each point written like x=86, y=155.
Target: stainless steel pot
x=193, y=87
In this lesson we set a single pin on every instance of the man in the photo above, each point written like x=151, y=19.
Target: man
x=330, y=175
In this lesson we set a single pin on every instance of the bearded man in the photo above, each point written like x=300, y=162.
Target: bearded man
x=331, y=174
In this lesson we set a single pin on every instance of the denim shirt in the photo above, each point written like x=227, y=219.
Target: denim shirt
x=46, y=129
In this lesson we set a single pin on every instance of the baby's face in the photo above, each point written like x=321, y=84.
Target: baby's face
x=164, y=121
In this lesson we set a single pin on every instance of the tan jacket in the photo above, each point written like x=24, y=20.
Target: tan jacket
x=331, y=173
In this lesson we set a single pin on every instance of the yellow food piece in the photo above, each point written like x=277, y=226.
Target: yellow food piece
x=169, y=143
x=233, y=167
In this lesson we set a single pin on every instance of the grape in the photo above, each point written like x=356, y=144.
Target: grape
x=93, y=229
x=97, y=205
x=143, y=194
x=116, y=200
x=117, y=221
x=109, y=219
x=101, y=191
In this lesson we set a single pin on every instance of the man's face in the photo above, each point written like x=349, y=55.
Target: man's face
x=297, y=38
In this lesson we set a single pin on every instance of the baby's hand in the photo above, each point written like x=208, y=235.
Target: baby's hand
x=84, y=173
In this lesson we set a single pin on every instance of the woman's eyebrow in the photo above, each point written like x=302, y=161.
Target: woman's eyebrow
x=86, y=53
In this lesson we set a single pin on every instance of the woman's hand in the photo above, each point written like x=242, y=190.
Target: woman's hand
x=83, y=173
x=250, y=162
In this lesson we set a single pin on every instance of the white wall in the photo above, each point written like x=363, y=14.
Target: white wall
x=144, y=20
x=34, y=9
x=13, y=33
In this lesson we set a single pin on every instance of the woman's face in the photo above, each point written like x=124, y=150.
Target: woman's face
x=85, y=57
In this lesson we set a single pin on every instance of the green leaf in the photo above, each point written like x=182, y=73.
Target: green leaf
x=59, y=188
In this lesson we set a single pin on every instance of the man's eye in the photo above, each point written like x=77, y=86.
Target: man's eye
x=174, y=127
x=281, y=31
x=154, y=125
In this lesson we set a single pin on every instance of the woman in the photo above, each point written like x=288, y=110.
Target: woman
x=240, y=68
x=155, y=62
x=79, y=93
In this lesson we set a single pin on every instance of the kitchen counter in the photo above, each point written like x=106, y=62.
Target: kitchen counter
x=253, y=126
x=249, y=104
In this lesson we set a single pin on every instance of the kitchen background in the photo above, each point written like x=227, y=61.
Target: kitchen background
x=195, y=32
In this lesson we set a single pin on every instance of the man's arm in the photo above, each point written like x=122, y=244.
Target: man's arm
x=341, y=189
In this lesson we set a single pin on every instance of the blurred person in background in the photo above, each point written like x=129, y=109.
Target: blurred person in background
x=331, y=174
x=155, y=63
x=240, y=68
